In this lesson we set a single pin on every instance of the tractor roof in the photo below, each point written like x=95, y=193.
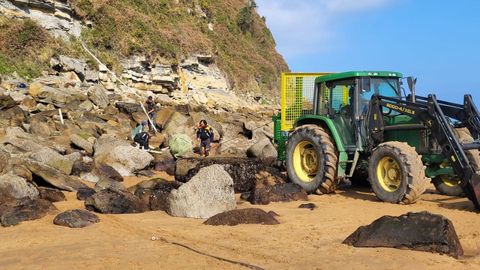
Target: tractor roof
x=352, y=74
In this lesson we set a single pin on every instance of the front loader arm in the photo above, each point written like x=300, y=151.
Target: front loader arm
x=430, y=112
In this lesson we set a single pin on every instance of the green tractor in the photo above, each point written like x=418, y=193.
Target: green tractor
x=364, y=125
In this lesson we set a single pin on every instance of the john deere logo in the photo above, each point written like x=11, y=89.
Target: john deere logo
x=400, y=108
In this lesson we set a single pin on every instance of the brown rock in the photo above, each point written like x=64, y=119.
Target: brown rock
x=51, y=194
x=422, y=231
x=242, y=216
x=76, y=218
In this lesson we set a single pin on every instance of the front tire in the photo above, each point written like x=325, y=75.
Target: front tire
x=448, y=185
x=312, y=159
x=396, y=173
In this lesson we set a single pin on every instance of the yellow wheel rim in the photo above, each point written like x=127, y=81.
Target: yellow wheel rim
x=389, y=174
x=305, y=161
x=450, y=181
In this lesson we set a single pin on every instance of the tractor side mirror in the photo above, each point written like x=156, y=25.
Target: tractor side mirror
x=411, y=84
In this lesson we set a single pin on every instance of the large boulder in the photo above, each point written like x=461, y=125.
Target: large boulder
x=179, y=124
x=109, y=201
x=244, y=171
x=53, y=176
x=55, y=96
x=422, y=231
x=15, y=211
x=25, y=142
x=155, y=192
x=163, y=116
x=242, y=216
x=125, y=159
x=98, y=96
x=120, y=155
x=76, y=218
x=53, y=159
x=65, y=63
x=17, y=187
x=208, y=193
x=128, y=108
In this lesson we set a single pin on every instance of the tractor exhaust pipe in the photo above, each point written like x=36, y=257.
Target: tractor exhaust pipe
x=411, y=84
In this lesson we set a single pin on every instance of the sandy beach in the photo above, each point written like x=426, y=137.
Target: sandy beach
x=305, y=239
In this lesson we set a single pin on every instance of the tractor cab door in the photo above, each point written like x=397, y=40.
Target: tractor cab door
x=341, y=109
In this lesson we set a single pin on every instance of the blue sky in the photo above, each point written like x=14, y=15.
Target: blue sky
x=438, y=41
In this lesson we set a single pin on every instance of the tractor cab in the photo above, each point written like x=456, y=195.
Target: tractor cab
x=345, y=97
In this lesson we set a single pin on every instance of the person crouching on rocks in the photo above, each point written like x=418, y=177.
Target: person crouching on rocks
x=140, y=136
x=205, y=136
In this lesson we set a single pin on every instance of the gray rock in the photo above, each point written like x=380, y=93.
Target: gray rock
x=128, y=108
x=66, y=63
x=51, y=194
x=125, y=159
x=208, y=193
x=56, y=96
x=84, y=193
x=264, y=151
x=110, y=201
x=422, y=231
x=15, y=211
x=91, y=76
x=76, y=218
x=17, y=187
x=53, y=176
x=242, y=216
x=98, y=96
x=53, y=159
x=106, y=183
x=82, y=143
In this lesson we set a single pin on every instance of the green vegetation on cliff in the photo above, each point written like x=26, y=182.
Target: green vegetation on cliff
x=171, y=29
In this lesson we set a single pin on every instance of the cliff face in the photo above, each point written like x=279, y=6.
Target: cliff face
x=226, y=33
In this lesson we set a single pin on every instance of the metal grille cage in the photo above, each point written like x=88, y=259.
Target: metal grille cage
x=297, y=97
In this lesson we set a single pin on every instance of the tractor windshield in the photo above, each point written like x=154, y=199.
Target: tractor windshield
x=388, y=87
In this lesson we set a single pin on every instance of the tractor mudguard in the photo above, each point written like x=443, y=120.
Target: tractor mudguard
x=328, y=123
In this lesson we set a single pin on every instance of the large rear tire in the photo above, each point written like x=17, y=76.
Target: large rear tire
x=311, y=159
x=448, y=185
x=396, y=173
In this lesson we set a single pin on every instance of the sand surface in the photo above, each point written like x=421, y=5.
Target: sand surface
x=304, y=240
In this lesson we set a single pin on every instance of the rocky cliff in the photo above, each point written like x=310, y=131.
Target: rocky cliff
x=174, y=47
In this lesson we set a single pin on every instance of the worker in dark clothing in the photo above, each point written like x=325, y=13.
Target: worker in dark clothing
x=140, y=136
x=150, y=106
x=205, y=136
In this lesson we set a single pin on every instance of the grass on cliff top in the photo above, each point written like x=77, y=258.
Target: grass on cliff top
x=170, y=30
x=25, y=48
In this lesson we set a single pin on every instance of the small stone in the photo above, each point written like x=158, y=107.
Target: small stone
x=76, y=218
x=310, y=206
